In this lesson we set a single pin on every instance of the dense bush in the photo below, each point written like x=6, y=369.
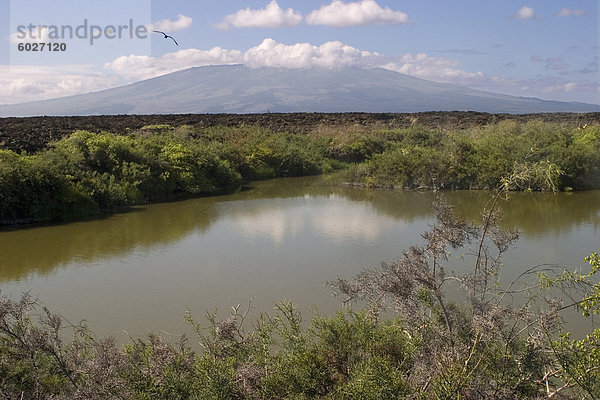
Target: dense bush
x=259, y=154
x=340, y=357
x=404, y=167
x=34, y=188
x=356, y=147
x=88, y=173
x=478, y=159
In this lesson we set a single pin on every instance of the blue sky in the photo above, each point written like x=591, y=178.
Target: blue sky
x=543, y=48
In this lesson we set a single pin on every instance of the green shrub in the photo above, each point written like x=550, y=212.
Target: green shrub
x=405, y=167
x=373, y=379
x=355, y=148
x=88, y=173
x=33, y=188
x=481, y=157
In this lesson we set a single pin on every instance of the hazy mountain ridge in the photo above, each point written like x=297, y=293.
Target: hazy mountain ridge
x=240, y=89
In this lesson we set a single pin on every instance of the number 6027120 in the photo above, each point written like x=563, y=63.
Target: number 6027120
x=42, y=46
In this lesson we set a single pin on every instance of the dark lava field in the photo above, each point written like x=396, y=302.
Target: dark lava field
x=34, y=133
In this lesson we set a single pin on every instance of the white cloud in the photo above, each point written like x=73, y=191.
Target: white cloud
x=566, y=87
x=525, y=12
x=570, y=86
x=40, y=34
x=272, y=16
x=363, y=12
x=166, y=25
x=269, y=53
x=41, y=83
x=566, y=12
x=433, y=68
x=304, y=55
x=30, y=83
x=144, y=67
x=549, y=86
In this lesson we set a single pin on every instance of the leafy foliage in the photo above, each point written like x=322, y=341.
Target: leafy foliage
x=88, y=173
x=478, y=159
x=577, y=362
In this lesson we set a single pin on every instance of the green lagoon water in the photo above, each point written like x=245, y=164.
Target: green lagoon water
x=139, y=271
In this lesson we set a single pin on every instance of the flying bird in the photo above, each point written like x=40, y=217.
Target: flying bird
x=167, y=36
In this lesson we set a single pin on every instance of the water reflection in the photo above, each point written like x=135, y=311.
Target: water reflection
x=536, y=213
x=141, y=270
x=41, y=249
x=332, y=218
x=276, y=224
x=279, y=210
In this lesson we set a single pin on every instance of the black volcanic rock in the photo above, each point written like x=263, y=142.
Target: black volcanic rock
x=240, y=89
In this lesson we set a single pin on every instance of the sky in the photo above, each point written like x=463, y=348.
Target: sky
x=547, y=49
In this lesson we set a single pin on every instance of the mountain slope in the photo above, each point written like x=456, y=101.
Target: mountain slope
x=239, y=89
